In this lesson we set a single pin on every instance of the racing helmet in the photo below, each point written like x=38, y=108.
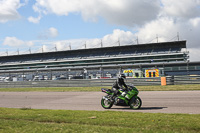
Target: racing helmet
x=122, y=76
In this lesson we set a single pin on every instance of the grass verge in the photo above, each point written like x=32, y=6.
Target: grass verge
x=141, y=88
x=31, y=120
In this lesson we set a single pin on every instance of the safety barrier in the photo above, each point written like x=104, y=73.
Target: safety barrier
x=179, y=80
x=170, y=80
x=79, y=83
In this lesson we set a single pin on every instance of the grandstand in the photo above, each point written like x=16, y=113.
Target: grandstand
x=103, y=61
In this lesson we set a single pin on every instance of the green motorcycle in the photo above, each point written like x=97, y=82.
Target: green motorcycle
x=131, y=98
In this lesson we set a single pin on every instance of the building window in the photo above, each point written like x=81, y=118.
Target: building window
x=154, y=74
x=149, y=74
x=136, y=74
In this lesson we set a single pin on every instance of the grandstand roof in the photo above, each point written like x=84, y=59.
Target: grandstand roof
x=116, y=50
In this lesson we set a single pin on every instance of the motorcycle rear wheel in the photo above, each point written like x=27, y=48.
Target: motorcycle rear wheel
x=106, y=104
x=135, y=103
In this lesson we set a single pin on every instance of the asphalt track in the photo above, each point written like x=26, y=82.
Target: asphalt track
x=153, y=101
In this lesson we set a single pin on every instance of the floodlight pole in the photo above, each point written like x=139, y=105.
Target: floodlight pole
x=119, y=41
x=30, y=50
x=178, y=36
x=157, y=37
x=69, y=46
x=55, y=48
x=188, y=66
x=101, y=43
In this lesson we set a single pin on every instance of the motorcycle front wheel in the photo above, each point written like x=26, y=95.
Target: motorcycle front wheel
x=135, y=103
x=106, y=104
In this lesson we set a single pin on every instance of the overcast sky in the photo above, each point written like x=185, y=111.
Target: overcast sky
x=49, y=25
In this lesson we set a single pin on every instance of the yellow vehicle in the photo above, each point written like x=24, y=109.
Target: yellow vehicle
x=133, y=73
x=152, y=73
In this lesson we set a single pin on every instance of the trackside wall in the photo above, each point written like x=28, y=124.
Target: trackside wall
x=102, y=82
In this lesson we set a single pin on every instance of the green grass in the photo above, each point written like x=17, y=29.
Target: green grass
x=31, y=120
x=141, y=88
x=170, y=88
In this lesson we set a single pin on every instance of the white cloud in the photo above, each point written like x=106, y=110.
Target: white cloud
x=8, y=10
x=166, y=28
x=148, y=19
x=34, y=20
x=182, y=8
x=14, y=42
x=194, y=54
x=122, y=12
x=49, y=33
x=59, y=45
x=113, y=39
x=120, y=37
x=53, y=32
x=195, y=22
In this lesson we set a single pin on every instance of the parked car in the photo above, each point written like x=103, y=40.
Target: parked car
x=60, y=78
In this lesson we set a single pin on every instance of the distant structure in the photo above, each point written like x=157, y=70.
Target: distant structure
x=96, y=62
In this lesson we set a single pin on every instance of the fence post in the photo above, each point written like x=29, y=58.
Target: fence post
x=172, y=80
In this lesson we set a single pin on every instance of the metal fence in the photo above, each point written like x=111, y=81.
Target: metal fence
x=170, y=80
x=179, y=80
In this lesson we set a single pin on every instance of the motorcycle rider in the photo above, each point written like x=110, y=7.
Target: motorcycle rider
x=119, y=86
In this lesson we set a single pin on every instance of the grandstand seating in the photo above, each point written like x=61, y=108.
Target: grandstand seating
x=98, y=56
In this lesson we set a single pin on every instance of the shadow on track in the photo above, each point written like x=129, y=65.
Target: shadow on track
x=142, y=108
x=151, y=108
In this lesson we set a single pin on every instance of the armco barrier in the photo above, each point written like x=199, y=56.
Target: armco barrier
x=186, y=80
x=79, y=83
x=170, y=80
